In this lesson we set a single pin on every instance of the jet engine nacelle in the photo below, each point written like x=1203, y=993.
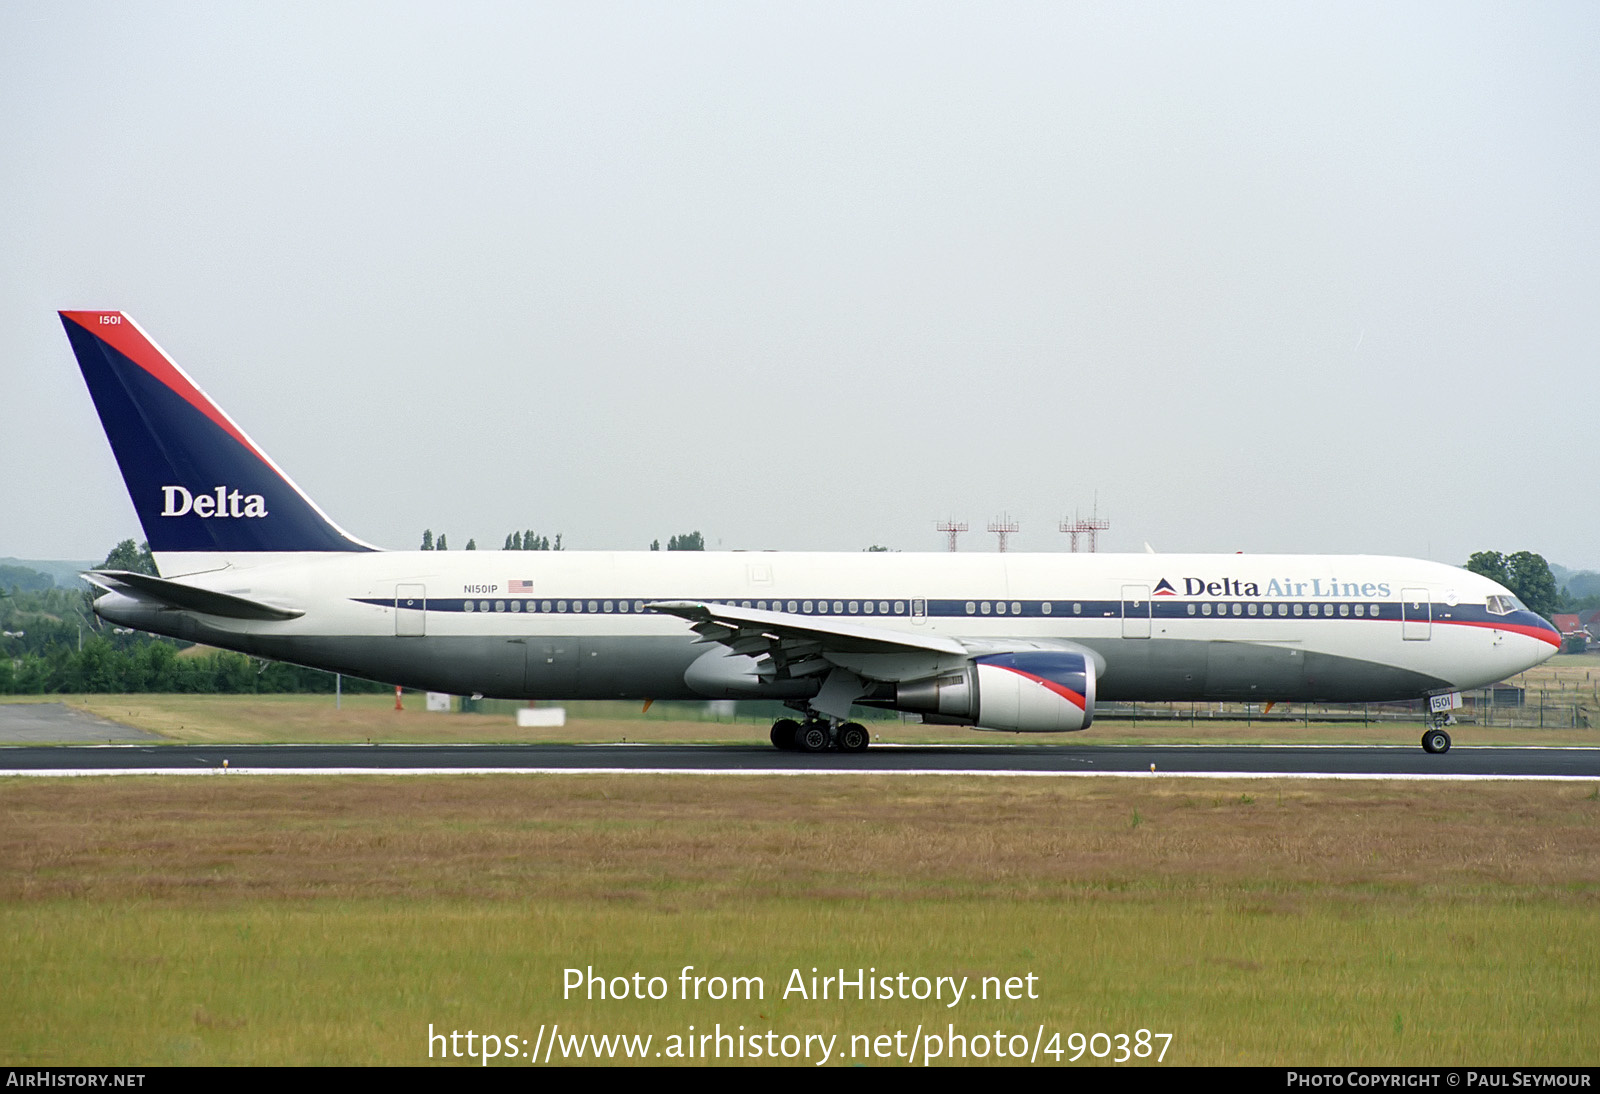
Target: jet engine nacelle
x=1034, y=691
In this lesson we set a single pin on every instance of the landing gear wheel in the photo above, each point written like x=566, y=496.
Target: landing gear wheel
x=783, y=734
x=1436, y=741
x=813, y=737
x=853, y=737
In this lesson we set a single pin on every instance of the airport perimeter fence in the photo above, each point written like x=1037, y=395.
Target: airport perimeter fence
x=1526, y=715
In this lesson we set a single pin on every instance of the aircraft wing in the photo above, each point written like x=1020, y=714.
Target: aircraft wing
x=790, y=645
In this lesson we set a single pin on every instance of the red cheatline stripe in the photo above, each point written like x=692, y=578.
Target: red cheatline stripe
x=126, y=338
x=1065, y=692
x=1516, y=628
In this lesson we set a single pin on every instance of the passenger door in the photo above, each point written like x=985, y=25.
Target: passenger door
x=410, y=611
x=1136, y=611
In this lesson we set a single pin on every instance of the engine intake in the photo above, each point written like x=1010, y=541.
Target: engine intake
x=1034, y=691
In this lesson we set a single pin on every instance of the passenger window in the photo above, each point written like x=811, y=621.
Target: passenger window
x=1313, y=610
x=792, y=607
x=1000, y=608
x=984, y=607
x=561, y=605
x=1045, y=607
x=607, y=605
x=883, y=607
x=1016, y=608
x=1283, y=609
x=899, y=607
x=866, y=606
x=622, y=605
x=1252, y=609
x=1191, y=609
x=1238, y=609
x=1077, y=609
x=853, y=606
x=1299, y=609
x=1205, y=609
x=838, y=607
x=467, y=606
x=544, y=605
x=1375, y=611
x=483, y=605
x=499, y=605
x=971, y=607
x=806, y=607
x=1344, y=609
x=1360, y=610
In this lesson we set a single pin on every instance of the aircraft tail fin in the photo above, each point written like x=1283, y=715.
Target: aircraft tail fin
x=198, y=483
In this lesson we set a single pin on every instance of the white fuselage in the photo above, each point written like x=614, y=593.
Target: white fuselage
x=546, y=624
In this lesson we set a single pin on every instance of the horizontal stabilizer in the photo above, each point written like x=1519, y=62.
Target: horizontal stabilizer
x=175, y=594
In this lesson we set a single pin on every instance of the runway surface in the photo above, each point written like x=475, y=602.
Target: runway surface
x=23, y=723
x=1047, y=760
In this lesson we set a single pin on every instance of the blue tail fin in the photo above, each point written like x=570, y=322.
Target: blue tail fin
x=198, y=483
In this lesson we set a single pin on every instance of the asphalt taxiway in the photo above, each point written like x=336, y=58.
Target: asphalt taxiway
x=1259, y=761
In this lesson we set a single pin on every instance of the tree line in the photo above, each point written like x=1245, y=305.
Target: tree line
x=1528, y=577
x=51, y=642
x=532, y=541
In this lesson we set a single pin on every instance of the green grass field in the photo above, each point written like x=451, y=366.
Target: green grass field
x=302, y=920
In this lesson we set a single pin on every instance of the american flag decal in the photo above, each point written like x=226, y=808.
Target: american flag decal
x=519, y=587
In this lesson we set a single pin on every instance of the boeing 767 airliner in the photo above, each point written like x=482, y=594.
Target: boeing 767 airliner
x=1017, y=642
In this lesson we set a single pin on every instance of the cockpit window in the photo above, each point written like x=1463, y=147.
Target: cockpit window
x=1502, y=605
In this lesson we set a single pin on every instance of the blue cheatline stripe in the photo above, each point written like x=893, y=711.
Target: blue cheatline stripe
x=1266, y=610
x=1523, y=622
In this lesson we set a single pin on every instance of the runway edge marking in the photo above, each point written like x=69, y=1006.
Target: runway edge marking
x=1312, y=775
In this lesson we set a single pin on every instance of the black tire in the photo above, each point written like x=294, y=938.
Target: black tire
x=784, y=731
x=1436, y=741
x=813, y=737
x=853, y=737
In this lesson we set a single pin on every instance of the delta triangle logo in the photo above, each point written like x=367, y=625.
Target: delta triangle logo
x=1165, y=589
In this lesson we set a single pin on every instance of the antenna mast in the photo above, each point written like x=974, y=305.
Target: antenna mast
x=1003, y=526
x=951, y=529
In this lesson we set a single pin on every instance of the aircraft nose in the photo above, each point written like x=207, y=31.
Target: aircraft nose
x=1547, y=634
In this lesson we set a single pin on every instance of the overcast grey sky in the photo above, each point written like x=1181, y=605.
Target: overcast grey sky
x=1264, y=277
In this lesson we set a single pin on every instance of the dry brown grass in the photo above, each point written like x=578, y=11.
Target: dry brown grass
x=234, y=920
x=299, y=719
x=688, y=841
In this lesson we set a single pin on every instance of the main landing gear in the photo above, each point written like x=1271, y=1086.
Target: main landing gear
x=819, y=735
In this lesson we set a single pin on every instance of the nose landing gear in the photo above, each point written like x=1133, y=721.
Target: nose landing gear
x=1436, y=740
